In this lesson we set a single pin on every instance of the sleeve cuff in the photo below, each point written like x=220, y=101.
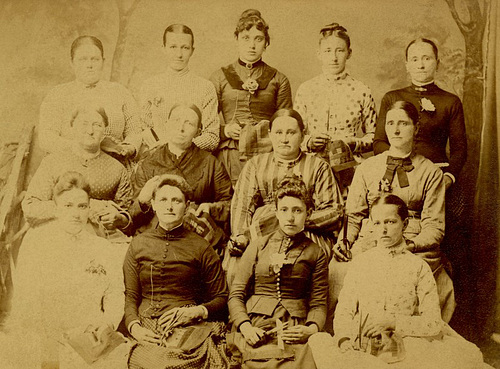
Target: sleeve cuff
x=205, y=312
x=451, y=176
x=129, y=327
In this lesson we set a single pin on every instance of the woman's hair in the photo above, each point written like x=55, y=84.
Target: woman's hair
x=294, y=186
x=409, y=109
x=287, y=113
x=91, y=107
x=193, y=107
x=252, y=18
x=391, y=199
x=425, y=40
x=335, y=29
x=178, y=28
x=175, y=180
x=86, y=40
x=68, y=181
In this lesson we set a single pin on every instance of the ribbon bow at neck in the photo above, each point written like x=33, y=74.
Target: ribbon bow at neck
x=400, y=166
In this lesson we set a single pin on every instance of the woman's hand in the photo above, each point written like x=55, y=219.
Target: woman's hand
x=341, y=252
x=144, y=335
x=299, y=333
x=318, y=141
x=373, y=329
x=126, y=150
x=345, y=344
x=236, y=245
x=182, y=316
x=447, y=182
x=232, y=130
x=203, y=209
x=112, y=218
x=253, y=335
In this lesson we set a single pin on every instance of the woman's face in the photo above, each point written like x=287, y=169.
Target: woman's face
x=72, y=210
x=178, y=50
x=400, y=129
x=387, y=224
x=87, y=64
x=169, y=205
x=333, y=54
x=89, y=129
x=421, y=62
x=183, y=126
x=286, y=138
x=251, y=44
x=291, y=214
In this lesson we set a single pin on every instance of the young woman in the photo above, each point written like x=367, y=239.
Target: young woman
x=388, y=313
x=174, y=283
x=68, y=283
x=122, y=135
x=281, y=286
x=249, y=92
x=336, y=108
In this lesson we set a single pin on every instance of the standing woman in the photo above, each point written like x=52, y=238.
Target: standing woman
x=336, y=108
x=122, y=136
x=249, y=92
x=441, y=120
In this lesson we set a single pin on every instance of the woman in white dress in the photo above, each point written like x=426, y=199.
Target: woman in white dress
x=388, y=310
x=68, y=284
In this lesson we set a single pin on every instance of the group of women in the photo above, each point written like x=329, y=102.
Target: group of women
x=240, y=257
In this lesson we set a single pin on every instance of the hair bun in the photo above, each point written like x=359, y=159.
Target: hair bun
x=250, y=13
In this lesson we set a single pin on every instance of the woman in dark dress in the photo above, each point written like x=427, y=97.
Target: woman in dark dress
x=175, y=289
x=249, y=92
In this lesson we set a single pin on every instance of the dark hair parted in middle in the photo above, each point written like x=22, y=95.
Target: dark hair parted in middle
x=409, y=109
x=335, y=29
x=86, y=40
x=252, y=18
x=426, y=41
x=294, y=186
x=178, y=28
x=193, y=107
x=391, y=199
x=68, y=181
x=287, y=113
x=90, y=107
x=174, y=180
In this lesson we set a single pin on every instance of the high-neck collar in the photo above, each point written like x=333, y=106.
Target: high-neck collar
x=423, y=87
x=295, y=238
x=335, y=77
x=394, y=250
x=177, y=73
x=172, y=233
x=398, y=154
x=88, y=86
x=249, y=65
x=84, y=155
x=288, y=163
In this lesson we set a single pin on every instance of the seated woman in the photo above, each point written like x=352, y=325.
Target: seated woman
x=418, y=182
x=336, y=108
x=212, y=190
x=123, y=134
x=68, y=284
x=174, y=283
x=278, y=297
x=388, y=313
x=253, y=211
x=110, y=187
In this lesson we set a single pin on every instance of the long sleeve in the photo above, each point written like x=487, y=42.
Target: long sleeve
x=239, y=287
x=215, y=285
x=300, y=105
x=319, y=292
x=457, y=140
x=113, y=300
x=133, y=126
x=223, y=190
x=328, y=202
x=209, y=137
x=432, y=218
x=124, y=192
x=347, y=307
x=284, y=95
x=244, y=200
x=380, y=140
x=132, y=286
x=427, y=321
x=369, y=119
x=357, y=207
x=38, y=205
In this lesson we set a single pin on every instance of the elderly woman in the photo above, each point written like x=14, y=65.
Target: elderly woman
x=278, y=298
x=211, y=185
x=110, y=187
x=68, y=289
x=175, y=289
x=122, y=135
x=418, y=182
x=253, y=211
x=249, y=92
x=388, y=314
x=336, y=108
x=442, y=139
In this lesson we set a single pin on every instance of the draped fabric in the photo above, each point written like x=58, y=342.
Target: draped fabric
x=487, y=197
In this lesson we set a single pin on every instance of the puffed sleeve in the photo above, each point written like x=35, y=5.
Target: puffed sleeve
x=319, y=292
x=239, y=288
x=132, y=285
x=427, y=320
x=209, y=137
x=380, y=140
x=243, y=204
x=215, y=285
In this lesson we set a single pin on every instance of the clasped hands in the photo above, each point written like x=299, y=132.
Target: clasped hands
x=372, y=329
x=292, y=335
x=319, y=140
x=107, y=214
